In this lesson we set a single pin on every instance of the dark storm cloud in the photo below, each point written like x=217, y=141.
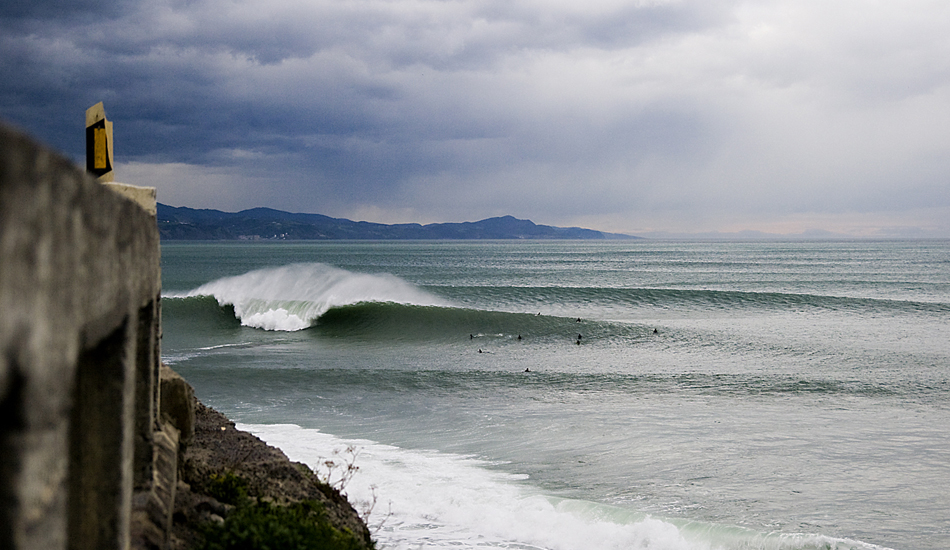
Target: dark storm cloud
x=27, y=10
x=625, y=115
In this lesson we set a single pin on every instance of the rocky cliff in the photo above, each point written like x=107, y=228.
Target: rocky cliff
x=221, y=465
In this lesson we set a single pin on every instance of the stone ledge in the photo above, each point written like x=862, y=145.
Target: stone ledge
x=145, y=197
x=79, y=335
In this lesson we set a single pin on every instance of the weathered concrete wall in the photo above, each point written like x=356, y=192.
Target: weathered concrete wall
x=79, y=353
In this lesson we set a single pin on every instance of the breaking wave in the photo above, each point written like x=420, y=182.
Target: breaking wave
x=292, y=297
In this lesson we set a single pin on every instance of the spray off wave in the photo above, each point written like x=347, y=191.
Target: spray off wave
x=292, y=297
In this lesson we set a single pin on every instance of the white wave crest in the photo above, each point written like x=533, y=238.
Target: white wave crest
x=292, y=297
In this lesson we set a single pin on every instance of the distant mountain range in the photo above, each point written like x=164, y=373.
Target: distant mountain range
x=180, y=223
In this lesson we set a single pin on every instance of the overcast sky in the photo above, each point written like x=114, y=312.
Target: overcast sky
x=621, y=115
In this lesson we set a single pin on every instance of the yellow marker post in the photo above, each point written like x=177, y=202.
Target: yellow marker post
x=99, y=143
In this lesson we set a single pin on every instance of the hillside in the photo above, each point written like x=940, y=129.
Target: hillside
x=181, y=223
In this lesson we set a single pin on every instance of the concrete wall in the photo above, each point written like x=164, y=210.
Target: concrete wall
x=79, y=353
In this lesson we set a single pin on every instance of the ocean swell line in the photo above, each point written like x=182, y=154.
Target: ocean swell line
x=692, y=298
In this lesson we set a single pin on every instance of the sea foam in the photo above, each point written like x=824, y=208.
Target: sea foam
x=292, y=297
x=429, y=499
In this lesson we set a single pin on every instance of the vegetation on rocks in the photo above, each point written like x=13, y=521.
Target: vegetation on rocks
x=258, y=524
x=238, y=493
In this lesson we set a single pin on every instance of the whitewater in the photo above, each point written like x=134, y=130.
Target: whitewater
x=294, y=296
x=562, y=395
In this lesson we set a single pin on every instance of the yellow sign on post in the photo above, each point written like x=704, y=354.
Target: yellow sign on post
x=99, y=143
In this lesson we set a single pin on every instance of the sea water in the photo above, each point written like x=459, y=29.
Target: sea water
x=589, y=395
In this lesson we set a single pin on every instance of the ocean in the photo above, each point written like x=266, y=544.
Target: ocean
x=588, y=395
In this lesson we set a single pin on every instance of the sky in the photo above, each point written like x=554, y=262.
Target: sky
x=632, y=116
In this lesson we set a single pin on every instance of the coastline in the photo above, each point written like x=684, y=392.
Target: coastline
x=219, y=450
